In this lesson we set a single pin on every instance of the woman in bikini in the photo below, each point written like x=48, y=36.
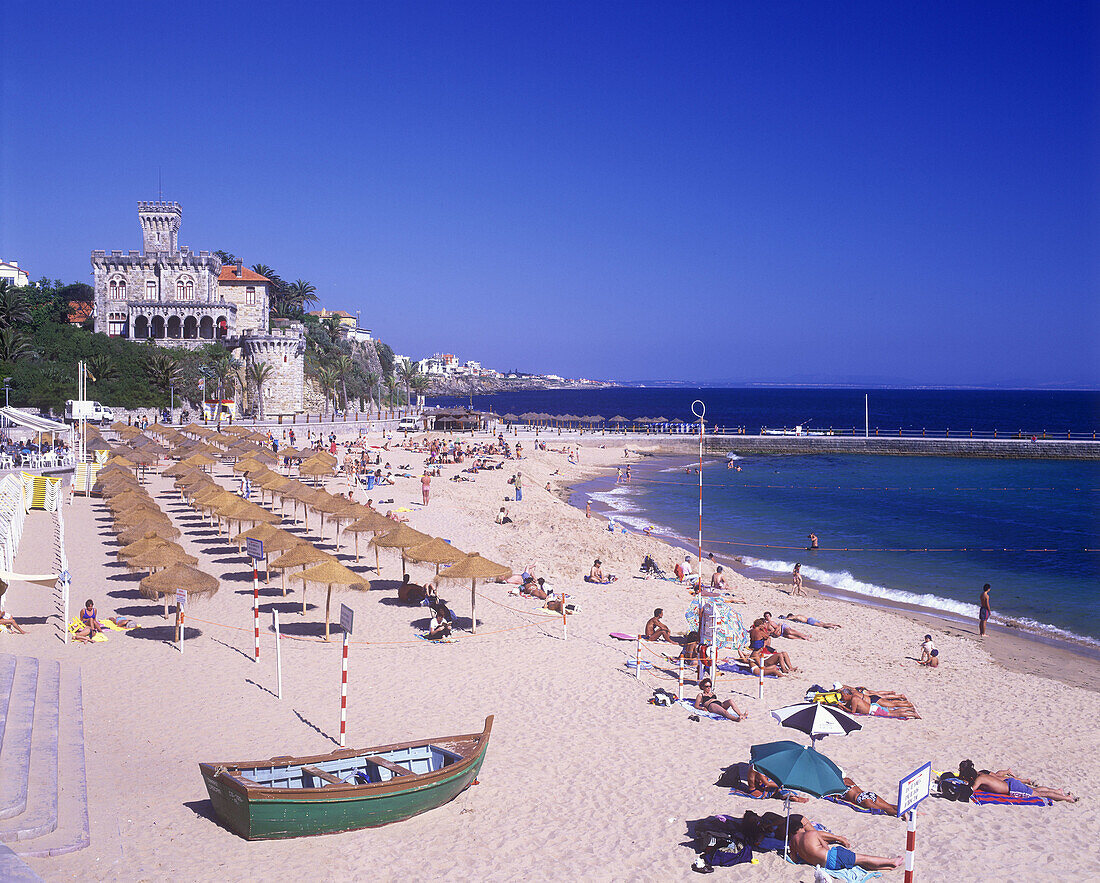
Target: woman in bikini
x=708, y=701
x=865, y=799
x=860, y=701
x=764, y=655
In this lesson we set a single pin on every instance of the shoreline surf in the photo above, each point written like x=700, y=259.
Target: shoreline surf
x=1026, y=635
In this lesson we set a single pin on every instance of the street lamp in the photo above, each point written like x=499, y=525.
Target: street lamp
x=7, y=389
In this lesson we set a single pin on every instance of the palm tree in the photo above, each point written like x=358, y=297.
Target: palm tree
x=392, y=385
x=408, y=371
x=300, y=294
x=14, y=347
x=258, y=374
x=372, y=379
x=101, y=366
x=343, y=366
x=419, y=383
x=13, y=306
x=162, y=367
x=222, y=368
x=328, y=379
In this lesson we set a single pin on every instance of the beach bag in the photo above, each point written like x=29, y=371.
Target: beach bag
x=663, y=698
x=954, y=788
x=832, y=697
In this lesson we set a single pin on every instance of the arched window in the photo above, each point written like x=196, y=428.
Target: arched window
x=116, y=289
x=190, y=290
x=179, y=289
x=150, y=290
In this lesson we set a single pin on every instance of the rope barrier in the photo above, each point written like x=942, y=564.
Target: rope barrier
x=826, y=487
x=310, y=640
x=875, y=549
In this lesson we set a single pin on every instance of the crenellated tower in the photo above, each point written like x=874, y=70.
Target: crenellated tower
x=283, y=350
x=160, y=226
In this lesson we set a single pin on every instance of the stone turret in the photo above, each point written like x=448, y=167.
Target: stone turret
x=160, y=226
x=283, y=350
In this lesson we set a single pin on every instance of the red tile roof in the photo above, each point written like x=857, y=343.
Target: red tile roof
x=229, y=275
x=79, y=311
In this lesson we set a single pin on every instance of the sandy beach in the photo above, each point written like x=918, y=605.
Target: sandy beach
x=584, y=779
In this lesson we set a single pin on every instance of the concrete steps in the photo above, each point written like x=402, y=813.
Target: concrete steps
x=43, y=783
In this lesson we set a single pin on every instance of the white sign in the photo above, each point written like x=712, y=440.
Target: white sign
x=254, y=547
x=346, y=615
x=181, y=598
x=914, y=788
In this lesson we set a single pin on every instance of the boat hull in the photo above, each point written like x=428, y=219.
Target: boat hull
x=273, y=813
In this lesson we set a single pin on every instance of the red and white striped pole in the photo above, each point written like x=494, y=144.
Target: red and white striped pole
x=344, y=692
x=256, y=607
x=910, y=845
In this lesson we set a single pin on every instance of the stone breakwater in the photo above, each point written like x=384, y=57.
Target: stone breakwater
x=1016, y=449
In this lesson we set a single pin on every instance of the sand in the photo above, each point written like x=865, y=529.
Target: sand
x=583, y=778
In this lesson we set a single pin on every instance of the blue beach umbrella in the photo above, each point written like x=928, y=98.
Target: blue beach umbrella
x=800, y=768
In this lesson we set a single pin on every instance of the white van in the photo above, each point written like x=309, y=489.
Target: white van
x=87, y=410
x=408, y=424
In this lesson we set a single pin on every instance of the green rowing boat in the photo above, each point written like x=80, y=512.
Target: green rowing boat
x=347, y=789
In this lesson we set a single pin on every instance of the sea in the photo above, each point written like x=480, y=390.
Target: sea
x=925, y=531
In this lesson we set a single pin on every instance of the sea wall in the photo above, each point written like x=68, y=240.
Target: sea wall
x=1041, y=449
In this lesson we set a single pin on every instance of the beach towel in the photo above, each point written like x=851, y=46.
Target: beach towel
x=689, y=705
x=984, y=798
x=438, y=640
x=778, y=793
x=736, y=667
x=833, y=798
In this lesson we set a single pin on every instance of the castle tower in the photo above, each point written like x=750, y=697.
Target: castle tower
x=283, y=351
x=160, y=226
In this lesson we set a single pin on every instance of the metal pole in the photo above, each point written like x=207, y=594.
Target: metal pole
x=344, y=692
x=638, y=657
x=680, y=681
x=256, y=607
x=866, y=417
x=910, y=845
x=702, y=410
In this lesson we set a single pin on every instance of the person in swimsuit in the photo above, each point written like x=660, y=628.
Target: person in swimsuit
x=707, y=701
x=440, y=624
x=596, y=574
x=91, y=624
x=834, y=852
x=866, y=799
x=860, y=701
x=763, y=655
x=809, y=620
x=933, y=660
x=754, y=781
x=782, y=630
x=813, y=542
x=797, y=576
x=995, y=784
x=984, y=611
x=10, y=622
x=718, y=579
x=751, y=662
x=655, y=630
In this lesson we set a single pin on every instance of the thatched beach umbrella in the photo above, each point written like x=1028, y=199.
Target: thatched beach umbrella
x=401, y=537
x=268, y=534
x=473, y=567
x=158, y=557
x=315, y=468
x=179, y=576
x=149, y=540
x=331, y=573
x=435, y=551
x=140, y=513
x=372, y=522
x=134, y=532
x=302, y=555
x=199, y=459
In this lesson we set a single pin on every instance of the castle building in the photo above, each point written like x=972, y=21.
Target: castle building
x=176, y=297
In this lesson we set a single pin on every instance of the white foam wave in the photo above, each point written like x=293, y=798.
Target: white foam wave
x=848, y=583
x=618, y=500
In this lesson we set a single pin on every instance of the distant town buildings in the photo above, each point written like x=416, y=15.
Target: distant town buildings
x=349, y=324
x=15, y=276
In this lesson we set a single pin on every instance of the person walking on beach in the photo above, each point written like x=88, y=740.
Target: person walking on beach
x=798, y=590
x=425, y=486
x=983, y=613
x=519, y=486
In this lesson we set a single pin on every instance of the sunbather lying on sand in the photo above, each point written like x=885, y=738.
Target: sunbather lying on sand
x=782, y=630
x=757, y=781
x=834, y=852
x=995, y=784
x=10, y=622
x=809, y=620
x=753, y=664
x=861, y=701
x=865, y=799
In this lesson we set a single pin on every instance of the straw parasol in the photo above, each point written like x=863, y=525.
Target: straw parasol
x=435, y=551
x=148, y=512
x=302, y=555
x=473, y=567
x=401, y=537
x=179, y=576
x=331, y=573
x=199, y=459
x=324, y=457
x=160, y=556
x=315, y=468
x=268, y=534
x=373, y=522
x=249, y=465
x=149, y=540
x=176, y=470
x=133, y=532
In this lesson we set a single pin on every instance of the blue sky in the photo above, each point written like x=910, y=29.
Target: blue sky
x=709, y=191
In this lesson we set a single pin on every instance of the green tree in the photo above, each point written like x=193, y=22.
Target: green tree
x=102, y=367
x=13, y=306
x=226, y=257
x=14, y=347
x=372, y=381
x=221, y=368
x=258, y=374
x=302, y=294
x=163, y=368
x=343, y=366
x=328, y=378
x=407, y=372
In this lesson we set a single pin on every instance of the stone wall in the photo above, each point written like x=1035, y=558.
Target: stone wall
x=283, y=350
x=1048, y=449
x=251, y=318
